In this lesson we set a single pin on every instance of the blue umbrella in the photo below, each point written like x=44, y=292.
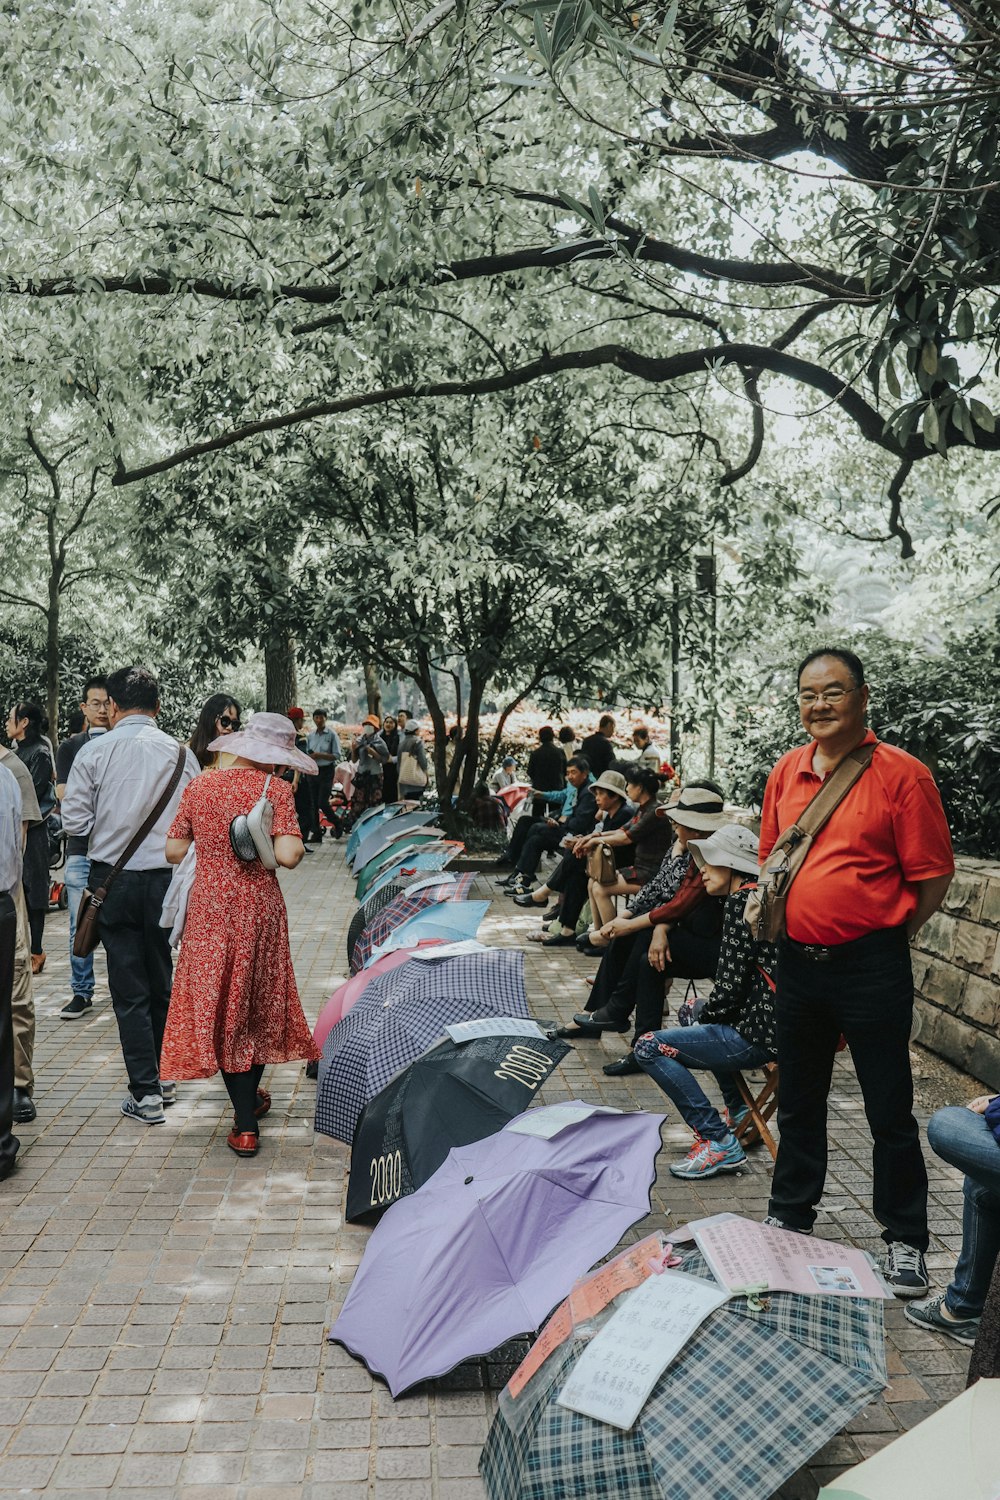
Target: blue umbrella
x=453, y=921
x=385, y=833
x=369, y=820
x=398, y=1017
x=431, y=857
x=414, y=839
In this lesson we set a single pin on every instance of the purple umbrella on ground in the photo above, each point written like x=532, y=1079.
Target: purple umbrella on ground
x=492, y=1241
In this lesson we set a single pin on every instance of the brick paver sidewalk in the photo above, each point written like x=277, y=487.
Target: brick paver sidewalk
x=163, y=1303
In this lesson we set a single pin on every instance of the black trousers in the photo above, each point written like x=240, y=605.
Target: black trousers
x=9, y=1142
x=642, y=988
x=320, y=787
x=541, y=837
x=525, y=825
x=865, y=991
x=139, y=968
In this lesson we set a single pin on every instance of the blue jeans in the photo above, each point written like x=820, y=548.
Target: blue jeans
x=719, y=1049
x=75, y=879
x=964, y=1140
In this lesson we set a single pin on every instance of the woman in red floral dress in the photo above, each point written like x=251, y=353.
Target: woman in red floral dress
x=235, y=1007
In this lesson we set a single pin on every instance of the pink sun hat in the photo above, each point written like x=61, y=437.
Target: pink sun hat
x=268, y=739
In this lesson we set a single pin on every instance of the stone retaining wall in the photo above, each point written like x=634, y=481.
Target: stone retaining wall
x=956, y=971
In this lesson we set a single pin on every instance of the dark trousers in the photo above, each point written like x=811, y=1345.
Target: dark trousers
x=575, y=893
x=320, y=786
x=139, y=968
x=540, y=838
x=865, y=991
x=525, y=825
x=640, y=987
x=9, y=1142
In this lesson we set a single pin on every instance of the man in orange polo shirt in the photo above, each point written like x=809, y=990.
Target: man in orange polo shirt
x=876, y=871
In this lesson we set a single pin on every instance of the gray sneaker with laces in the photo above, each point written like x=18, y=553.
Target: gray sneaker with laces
x=148, y=1110
x=772, y=1223
x=933, y=1315
x=905, y=1270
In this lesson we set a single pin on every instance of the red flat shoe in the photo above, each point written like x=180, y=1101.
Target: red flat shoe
x=243, y=1142
x=263, y=1103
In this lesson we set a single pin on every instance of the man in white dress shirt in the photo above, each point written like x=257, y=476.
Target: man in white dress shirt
x=113, y=785
x=10, y=882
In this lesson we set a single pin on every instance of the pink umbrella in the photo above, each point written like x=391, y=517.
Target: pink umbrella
x=347, y=995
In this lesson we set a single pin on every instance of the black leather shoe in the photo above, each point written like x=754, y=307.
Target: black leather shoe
x=623, y=1067
x=559, y=941
x=526, y=900
x=592, y=1019
x=24, y=1107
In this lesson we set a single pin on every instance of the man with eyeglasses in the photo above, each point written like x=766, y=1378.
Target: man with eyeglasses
x=94, y=704
x=874, y=874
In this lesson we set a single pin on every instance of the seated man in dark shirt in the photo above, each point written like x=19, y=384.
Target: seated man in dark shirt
x=549, y=833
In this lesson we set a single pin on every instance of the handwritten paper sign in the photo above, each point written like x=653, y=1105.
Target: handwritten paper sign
x=467, y=1031
x=741, y=1253
x=614, y=1375
x=551, y=1118
x=589, y=1297
x=431, y=955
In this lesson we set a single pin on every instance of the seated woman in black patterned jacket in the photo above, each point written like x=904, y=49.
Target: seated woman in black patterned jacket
x=736, y=1027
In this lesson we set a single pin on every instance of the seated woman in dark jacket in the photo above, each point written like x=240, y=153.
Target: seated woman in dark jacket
x=736, y=1027
x=641, y=844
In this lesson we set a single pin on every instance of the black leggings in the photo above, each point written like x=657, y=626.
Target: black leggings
x=36, y=927
x=242, y=1090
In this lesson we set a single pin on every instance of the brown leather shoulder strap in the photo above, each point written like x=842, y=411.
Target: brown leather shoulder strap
x=834, y=789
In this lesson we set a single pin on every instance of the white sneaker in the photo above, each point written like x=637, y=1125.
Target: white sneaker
x=148, y=1110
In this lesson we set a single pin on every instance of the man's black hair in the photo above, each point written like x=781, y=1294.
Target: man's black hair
x=848, y=658
x=546, y=734
x=579, y=763
x=93, y=682
x=133, y=687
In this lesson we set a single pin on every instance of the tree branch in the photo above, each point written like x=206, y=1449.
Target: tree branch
x=866, y=417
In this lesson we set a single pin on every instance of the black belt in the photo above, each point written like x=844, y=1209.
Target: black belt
x=820, y=953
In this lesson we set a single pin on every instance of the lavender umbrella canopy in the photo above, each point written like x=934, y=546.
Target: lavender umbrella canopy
x=492, y=1241
x=397, y=1018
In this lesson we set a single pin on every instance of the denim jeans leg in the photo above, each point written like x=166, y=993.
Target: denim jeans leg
x=75, y=878
x=702, y=1048
x=964, y=1140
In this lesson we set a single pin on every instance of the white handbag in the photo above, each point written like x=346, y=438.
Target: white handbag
x=250, y=833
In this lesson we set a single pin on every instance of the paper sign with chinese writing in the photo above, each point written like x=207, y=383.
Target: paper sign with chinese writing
x=548, y=1121
x=743, y=1254
x=431, y=953
x=466, y=1031
x=614, y=1375
x=589, y=1297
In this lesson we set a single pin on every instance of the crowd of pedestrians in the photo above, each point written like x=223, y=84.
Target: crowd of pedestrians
x=180, y=843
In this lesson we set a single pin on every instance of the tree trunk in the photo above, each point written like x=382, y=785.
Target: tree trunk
x=470, y=742
x=281, y=678
x=52, y=657
x=373, y=688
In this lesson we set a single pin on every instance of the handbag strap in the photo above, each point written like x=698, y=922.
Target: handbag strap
x=835, y=788
x=149, y=822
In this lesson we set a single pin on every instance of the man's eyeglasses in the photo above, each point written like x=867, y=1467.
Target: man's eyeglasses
x=227, y=722
x=831, y=695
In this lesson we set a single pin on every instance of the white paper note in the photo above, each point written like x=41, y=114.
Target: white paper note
x=430, y=955
x=613, y=1377
x=548, y=1121
x=465, y=1031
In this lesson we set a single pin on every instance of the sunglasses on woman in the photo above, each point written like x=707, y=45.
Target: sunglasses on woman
x=227, y=721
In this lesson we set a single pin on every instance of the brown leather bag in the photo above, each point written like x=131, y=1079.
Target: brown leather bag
x=87, y=936
x=765, y=908
x=601, y=865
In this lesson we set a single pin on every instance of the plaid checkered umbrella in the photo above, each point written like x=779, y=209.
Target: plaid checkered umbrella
x=431, y=857
x=407, y=904
x=385, y=833
x=750, y=1398
x=373, y=903
x=398, y=1017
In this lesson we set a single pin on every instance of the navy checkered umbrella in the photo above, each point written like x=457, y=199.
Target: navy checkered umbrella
x=749, y=1399
x=398, y=1017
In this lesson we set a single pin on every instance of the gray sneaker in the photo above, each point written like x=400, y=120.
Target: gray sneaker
x=905, y=1270
x=169, y=1093
x=772, y=1223
x=148, y=1110
x=932, y=1315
